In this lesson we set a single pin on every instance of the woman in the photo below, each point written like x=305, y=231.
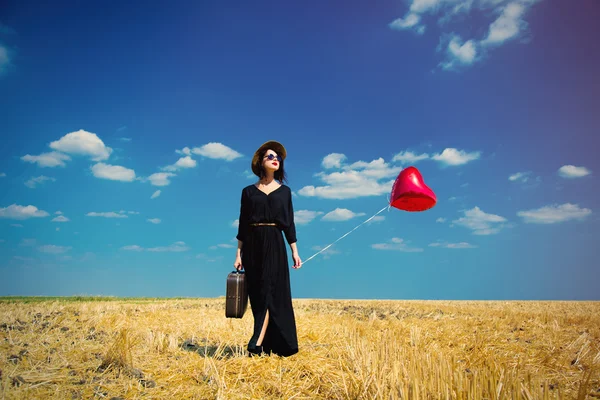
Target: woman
x=266, y=211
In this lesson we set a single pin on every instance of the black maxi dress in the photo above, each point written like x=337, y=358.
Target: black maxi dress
x=265, y=261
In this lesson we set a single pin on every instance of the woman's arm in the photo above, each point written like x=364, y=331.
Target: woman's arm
x=294, y=248
x=295, y=256
x=242, y=228
x=243, y=219
x=238, y=257
x=290, y=234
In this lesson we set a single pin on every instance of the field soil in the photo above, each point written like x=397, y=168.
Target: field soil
x=85, y=348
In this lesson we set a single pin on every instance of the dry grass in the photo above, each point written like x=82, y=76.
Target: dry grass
x=180, y=349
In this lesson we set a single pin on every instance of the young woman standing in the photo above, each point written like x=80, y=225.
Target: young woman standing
x=266, y=210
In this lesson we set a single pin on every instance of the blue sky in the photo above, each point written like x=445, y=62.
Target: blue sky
x=127, y=134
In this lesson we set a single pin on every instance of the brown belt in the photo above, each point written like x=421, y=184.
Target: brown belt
x=264, y=224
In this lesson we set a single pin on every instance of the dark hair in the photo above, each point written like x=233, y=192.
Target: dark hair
x=279, y=175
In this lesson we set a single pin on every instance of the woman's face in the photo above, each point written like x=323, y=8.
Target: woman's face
x=271, y=161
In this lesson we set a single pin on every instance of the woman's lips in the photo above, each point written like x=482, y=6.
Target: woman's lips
x=275, y=164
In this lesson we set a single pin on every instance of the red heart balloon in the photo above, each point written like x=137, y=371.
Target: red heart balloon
x=410, y=193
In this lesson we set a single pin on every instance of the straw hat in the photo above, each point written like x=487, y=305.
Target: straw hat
x=271, y=144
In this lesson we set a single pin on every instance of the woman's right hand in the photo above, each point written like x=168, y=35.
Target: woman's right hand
x=238, y=263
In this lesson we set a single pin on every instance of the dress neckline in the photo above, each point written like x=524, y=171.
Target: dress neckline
x=265, y=193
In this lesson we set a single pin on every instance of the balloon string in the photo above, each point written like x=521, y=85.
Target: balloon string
x=322, y=250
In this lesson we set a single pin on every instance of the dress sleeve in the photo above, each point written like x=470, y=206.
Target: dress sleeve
x=244, y=217
x=290, y=230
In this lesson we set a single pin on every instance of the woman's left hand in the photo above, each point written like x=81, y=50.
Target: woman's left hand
x=297, y=261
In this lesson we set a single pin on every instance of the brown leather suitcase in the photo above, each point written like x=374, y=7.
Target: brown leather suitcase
x=236, y=301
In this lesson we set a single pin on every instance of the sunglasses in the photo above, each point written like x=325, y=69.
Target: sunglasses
x=271, y=157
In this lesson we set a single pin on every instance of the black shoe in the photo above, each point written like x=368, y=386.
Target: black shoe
x=255, y=350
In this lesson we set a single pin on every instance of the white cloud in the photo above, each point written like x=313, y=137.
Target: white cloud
x=377, y=218
x=154, y=220
x=5, y=59
x=2, y=174
x=133, y=247
x=347, y=191
x=113, y=172
x=303, y=217
x=377, y=169
x=408, y=157
x=51, y=159
x=183, y=162
x=480, y=222
x=60, y=218
x=175, y=247
x=520, y=176
x=440, y=220
x=356, y=180
x=571, y=171
x=82, y=143
x=53, y=249
x=410, y=21
x=155, y=194
x=452, y=156
x=461, y=245
x=326, y=254
x=125, y=139
x=16, y=225
x=15, y=211
x=161, y=178
x=341, y=214
x=422, y=6
x=185, y=151
x=204, y=257
x=223, y=246
x=235, y=223
x=58, y=213
x=554, y=214
x=31, y=183
x=217, y=151
x=508, y=24
x=459, y=53
x=25, y=259
x=109, y=214
x=396, y=244
x=132, y=212
x=460, y=7
x=333, y=160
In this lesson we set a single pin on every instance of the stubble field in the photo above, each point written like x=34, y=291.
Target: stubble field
x=87, y=348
